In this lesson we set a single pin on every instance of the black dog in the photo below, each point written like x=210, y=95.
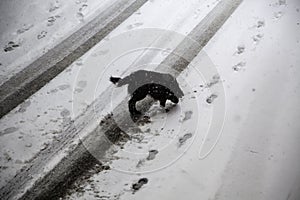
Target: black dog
x=141, y=83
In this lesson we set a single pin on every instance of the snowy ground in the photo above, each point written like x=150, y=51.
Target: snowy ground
x=30, y=28
x=256, y=54
x=38, y=121
x=257, y=155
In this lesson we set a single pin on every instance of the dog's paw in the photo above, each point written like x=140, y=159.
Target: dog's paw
x=135, y=115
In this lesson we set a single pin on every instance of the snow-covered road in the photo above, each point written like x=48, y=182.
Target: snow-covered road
x=256, y=54
x=36, y=27
x=42, y=119
x=257, y=156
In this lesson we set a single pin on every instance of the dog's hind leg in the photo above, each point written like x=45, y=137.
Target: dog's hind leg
x=162, y=102
x=174, y=99
x=136, y=96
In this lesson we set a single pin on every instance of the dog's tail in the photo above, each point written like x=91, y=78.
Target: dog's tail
x=121, y=81
x=114, y=80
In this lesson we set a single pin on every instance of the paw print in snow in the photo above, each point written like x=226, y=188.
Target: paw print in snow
x=41, y=35
x=10, y=46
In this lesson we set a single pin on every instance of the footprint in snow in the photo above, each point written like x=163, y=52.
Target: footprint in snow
x=184, y=138
x=211, y=98
x=135, y=25
x=10, y=46
x=82, y=84
x=24, y=106
x=42, y=35
x=63, y=87
x=260, y=24
x=278, y=15
x=187, y=116
x=256, y=38
x=26, y=27
x=136, y=186
x=83, y=7
x=80, y=16
x=8, y=131
x=282, y=2
x=65, y=113
x=54, y=6
x=151, y=156
x=240, y=49
x=50, y=21
x=238, y=67
x=80, y=1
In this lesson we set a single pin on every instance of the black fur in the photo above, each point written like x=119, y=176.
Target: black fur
x=161, y=87
x=156, y=91
x=114, y=80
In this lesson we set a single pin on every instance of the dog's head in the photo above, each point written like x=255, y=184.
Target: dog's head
x=114, y=80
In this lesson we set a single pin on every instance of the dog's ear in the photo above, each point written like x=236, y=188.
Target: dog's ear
x=114, y=80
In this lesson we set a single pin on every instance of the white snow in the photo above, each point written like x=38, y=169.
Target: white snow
x=32, y=125
x=37, y=27
x=257, y=156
